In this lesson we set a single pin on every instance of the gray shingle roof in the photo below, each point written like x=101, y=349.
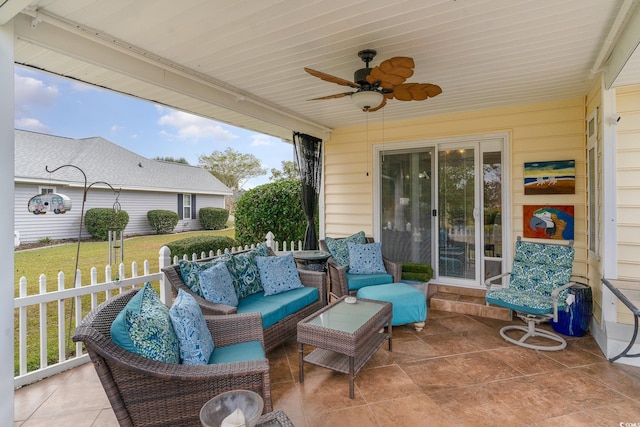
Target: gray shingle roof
x=102, y=160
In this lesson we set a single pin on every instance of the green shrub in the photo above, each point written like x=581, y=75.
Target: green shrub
x=274, y=207
x=213, y=218
x=200, y=244
x=162, y=221
x=418, y=272
x=99, y=221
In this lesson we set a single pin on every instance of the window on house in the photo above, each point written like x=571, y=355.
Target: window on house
x=186, y=206
x=592, y=178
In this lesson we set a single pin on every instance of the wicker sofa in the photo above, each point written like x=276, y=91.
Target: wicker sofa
x=146, y=392
x=274, y=334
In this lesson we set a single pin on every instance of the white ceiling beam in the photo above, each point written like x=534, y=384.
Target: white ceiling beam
x=626, y=45
x=10, y=8
x=78, y=43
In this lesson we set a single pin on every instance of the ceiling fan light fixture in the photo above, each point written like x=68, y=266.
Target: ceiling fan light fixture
x=367, y=99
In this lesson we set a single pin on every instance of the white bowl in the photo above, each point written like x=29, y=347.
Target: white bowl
x=221, y=406
x=350, y=300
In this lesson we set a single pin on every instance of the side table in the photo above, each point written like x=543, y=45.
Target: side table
x=311, y=260
x=276, y=418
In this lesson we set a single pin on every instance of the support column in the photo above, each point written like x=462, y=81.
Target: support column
x=7, y=173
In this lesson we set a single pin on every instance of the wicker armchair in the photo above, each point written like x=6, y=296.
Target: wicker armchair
x=338, y=281
x=144, y=392
x=276, y=334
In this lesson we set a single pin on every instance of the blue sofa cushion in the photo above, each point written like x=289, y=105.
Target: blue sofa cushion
x=241, y=352
x=276, y=307
x=196, y=343
x=338, y=247
x=357, y=281
x=244, y=271
x=366, y=258
x=217, y=286
x=278, y=273
x=190, y=272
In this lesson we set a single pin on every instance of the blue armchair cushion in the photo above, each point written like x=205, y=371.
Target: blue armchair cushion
x=244, y=271
x=520, y=301
x=217, y=285
x=194, y=338
x=365, y=258
x=338, y=247
x=144, y=327
x=240, y=352
x=357, y=281
x=278, y=274
x=190, y=272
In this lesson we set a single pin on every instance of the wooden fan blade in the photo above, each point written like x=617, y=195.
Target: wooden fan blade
x=382, y=104
x=337, y=95
x=415, y=91
x=392, y=72
x=333, y=79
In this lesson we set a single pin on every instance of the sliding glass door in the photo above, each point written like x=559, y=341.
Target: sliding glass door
x=443, y=205
x=406, y=205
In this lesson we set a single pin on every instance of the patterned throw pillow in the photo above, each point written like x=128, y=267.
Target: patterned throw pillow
x=190, y=271
x=338, y=247
x=244, y=271
x=194, y=338
x=365, y=258
x=150, y=329
x=217, y=286
x=278, y=274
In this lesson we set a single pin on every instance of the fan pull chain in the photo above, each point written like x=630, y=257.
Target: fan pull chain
x=367, y=138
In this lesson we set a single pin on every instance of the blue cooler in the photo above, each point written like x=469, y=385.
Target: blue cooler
x=575, y=321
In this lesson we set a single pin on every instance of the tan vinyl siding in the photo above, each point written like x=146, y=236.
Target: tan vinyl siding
x=545, y=131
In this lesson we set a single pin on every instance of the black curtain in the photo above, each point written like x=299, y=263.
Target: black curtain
x=308, y=154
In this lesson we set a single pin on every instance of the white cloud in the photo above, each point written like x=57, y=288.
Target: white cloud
x=31, y=124
x=116, y=128
x=262, y=140
x=31, y=92
x=191, y=127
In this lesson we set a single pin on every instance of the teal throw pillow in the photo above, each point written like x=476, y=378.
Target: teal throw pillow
x=366, y=258
x=190, y=271
x=278, y=274
x=338, y=247
x=150, y=331
x=217, y=285
x=244, y=271
x=194, y=338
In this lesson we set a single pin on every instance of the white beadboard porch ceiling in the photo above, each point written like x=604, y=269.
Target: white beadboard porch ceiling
x=241, y=62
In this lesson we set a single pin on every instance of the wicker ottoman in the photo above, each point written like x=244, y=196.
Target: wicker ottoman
x=409, y=304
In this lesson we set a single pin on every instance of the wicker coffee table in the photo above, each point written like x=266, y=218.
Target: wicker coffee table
x=345, y=336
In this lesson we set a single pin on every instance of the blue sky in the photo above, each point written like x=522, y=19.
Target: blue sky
x=49, y=104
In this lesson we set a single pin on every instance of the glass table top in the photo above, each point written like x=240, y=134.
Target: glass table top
x=346, y=317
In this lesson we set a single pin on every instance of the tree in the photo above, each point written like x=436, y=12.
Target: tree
x=232, y=167
x=289, y=171
x=172, y=160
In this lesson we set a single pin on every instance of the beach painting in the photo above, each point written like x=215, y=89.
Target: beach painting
x=548, y=222
x=551, y=177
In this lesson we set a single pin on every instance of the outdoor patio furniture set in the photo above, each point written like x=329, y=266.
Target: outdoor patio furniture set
x=250, y=302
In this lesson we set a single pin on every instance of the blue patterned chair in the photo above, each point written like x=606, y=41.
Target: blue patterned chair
x=538, y=288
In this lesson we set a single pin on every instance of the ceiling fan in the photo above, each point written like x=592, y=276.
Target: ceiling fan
x=385, y=81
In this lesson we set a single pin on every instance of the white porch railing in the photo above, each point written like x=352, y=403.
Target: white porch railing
x=39, y=309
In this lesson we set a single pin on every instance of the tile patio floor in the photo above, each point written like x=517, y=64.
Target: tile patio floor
x=456, y=372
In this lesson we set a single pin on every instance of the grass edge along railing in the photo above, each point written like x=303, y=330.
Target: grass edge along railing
x=96, y=292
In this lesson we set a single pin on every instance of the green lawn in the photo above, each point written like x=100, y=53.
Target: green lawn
x=53, y=259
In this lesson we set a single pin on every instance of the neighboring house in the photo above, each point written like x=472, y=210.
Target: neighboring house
x=145, y=185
